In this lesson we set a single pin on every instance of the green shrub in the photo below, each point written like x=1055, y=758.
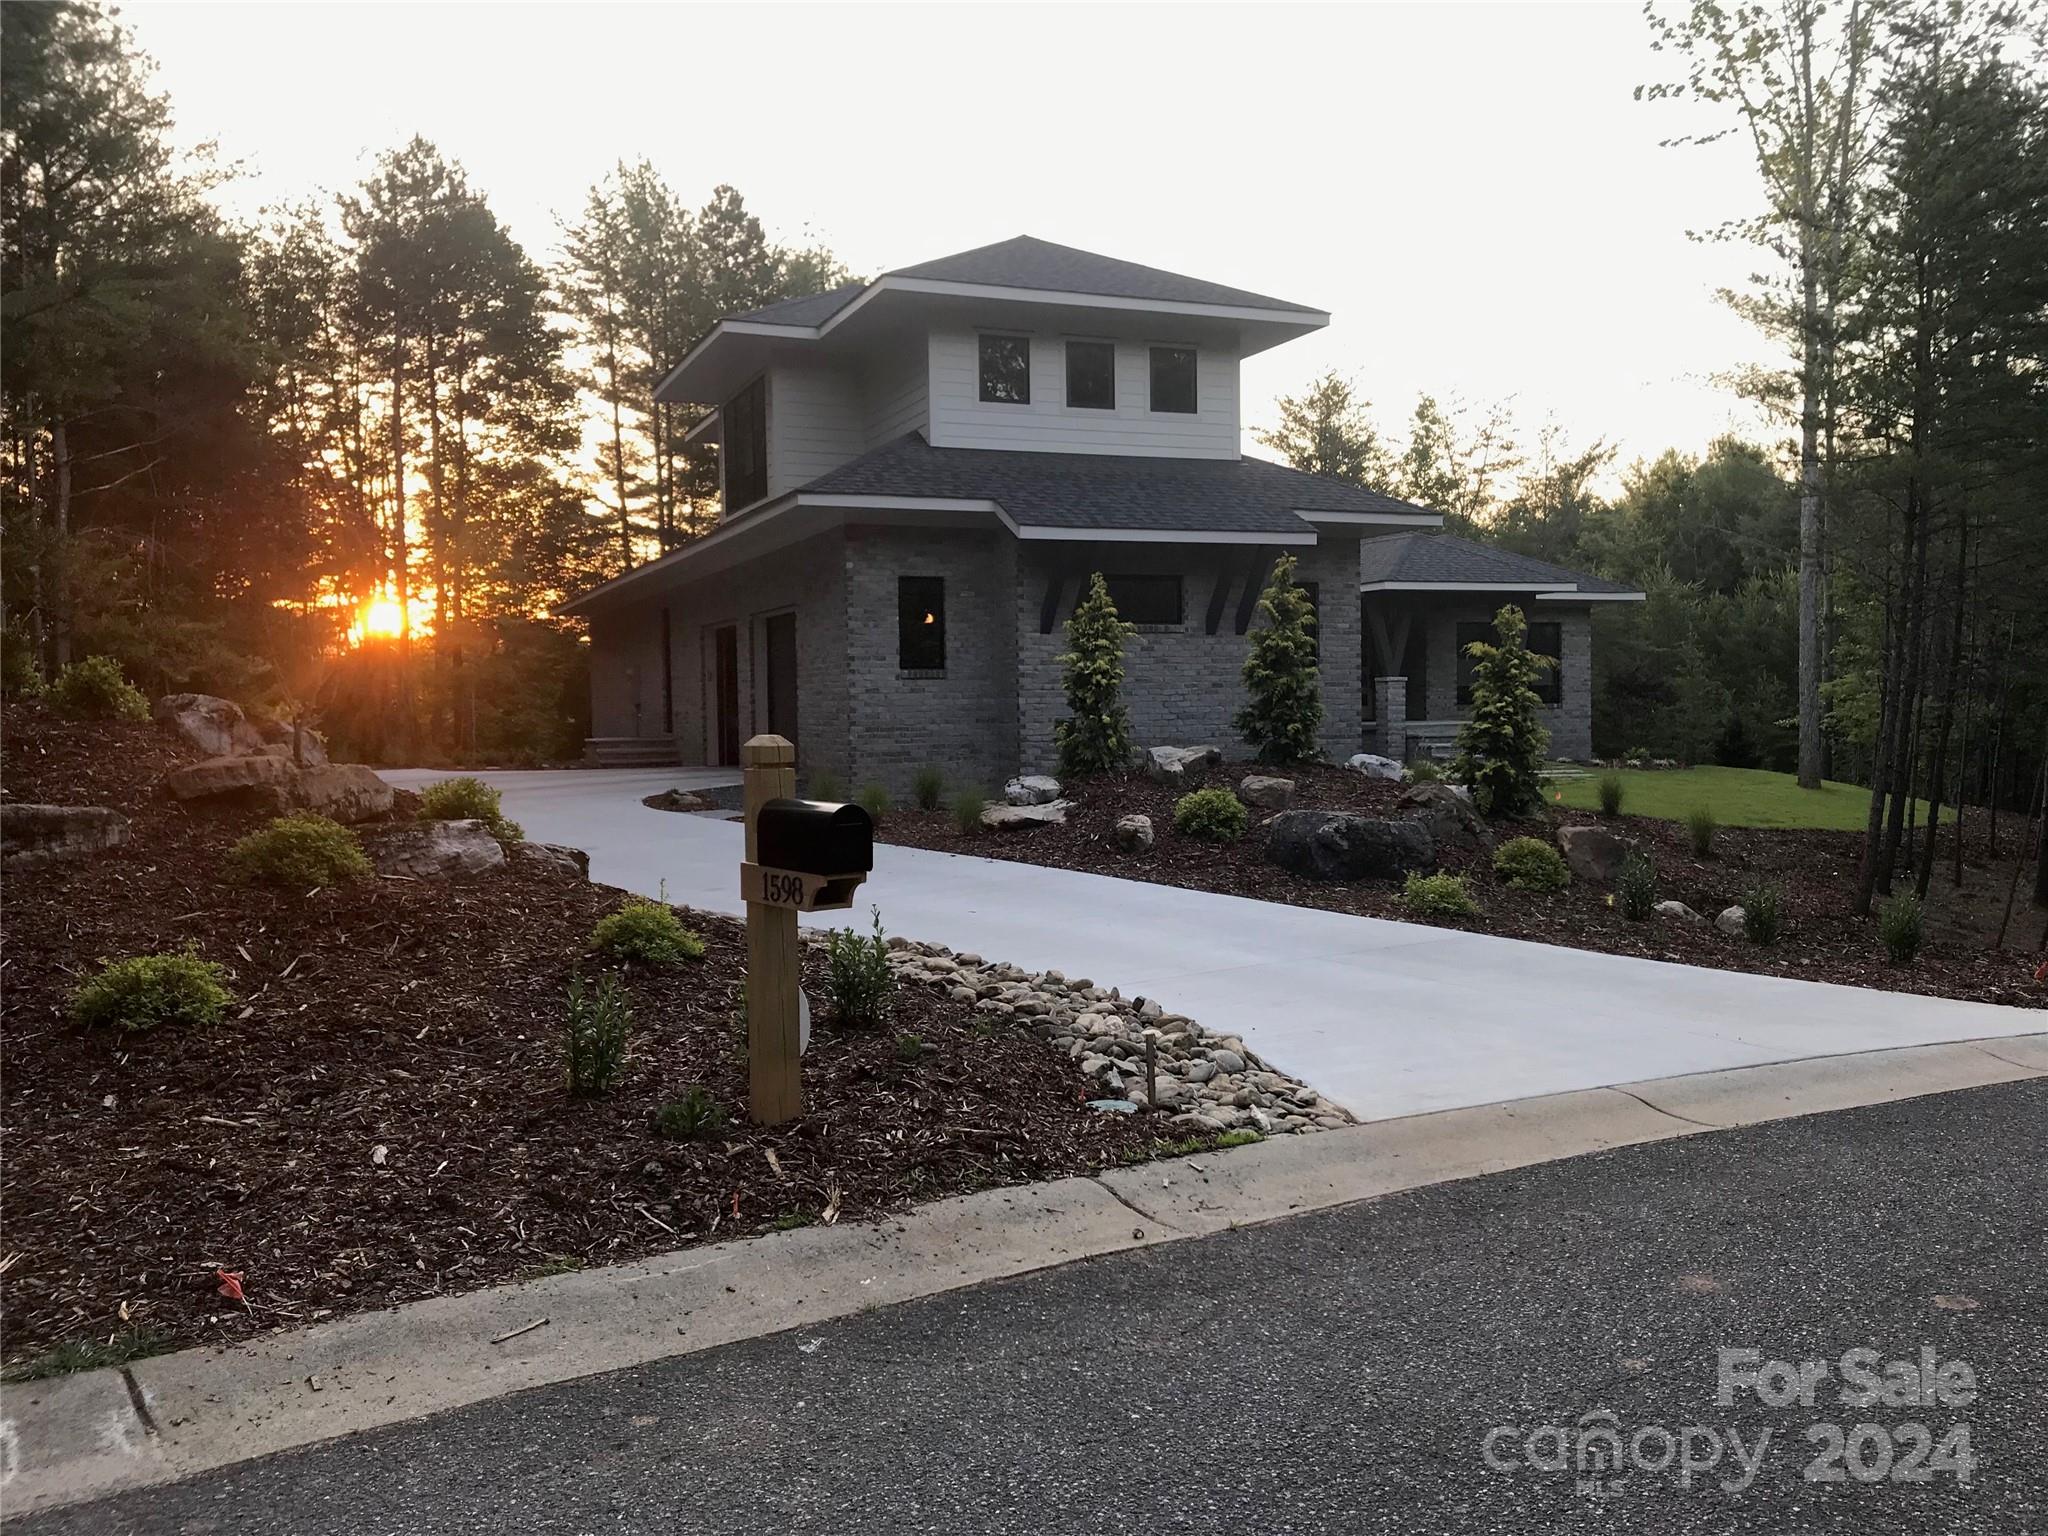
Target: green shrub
x=968, y=805
x=1284, y=714
x=301, y=852
x=94, y=689
x=144, y=991
x=1530, y=864
x=1501, y=745
x=1700, y=826
x=873, y=799
x=1096, y=735
x=859, y=981
x=1763, y=912
x=909, y=1047
x=20, y=675
x=469, y=799
x=1438, y=896
x=1424, y=770
x=594, y=1038
x=1900, y=925
x=1612, y=793
x=826, y=785
x=928, y=788
x=646, y=932
x=1635, y=887
x=696, y=1114
x=1211, y=815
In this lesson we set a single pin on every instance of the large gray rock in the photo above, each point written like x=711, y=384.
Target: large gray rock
x=227, y=779
x=1373, y=766
x=343, y=792
x=1031, y=789
x=1446, y=809
x=1337, y=845
x=1593, y=853
x=1678, y=911
x=1181, y=765
x=1134, y=834
x=555, y=858
x=1012, y=818
x=302, y=744
x=436, y=850
x=1733, y=921
x=1266, y=793
x=34, y=835
x=215, y=726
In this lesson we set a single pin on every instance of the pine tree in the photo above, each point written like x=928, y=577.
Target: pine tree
x=1500, y=749
x=1281, y=674
x=1096, y=736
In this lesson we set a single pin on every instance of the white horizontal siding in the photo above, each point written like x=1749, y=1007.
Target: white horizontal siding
x=898, y=400
x=960, y=419
x=815, y=424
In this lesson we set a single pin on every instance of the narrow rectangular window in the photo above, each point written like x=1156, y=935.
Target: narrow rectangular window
x=921, y=623
x=1006, y=370
x=1091, y=375
x=744, y=434
x=1153, y=601
x=1173, y=380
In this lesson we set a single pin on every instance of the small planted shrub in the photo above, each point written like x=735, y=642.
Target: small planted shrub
x=646, y=933
x=1635, y=888
x=1501, y=745
x=1283, y=713
x=1210, y=815
x=873, y=799
x=144, y=991
x=968, y=805
x=594, y=1035
x=1438, y=896
x=1612, y=793
x=859, y=983
x=1700, y=826
x=694, y=1116
x=1900, y=925
x=302, y=852
x=94, y=689
x=1530, y=864
x=928, y=788
x=1763, y=912
x=826, y=785
x=909, y=1047
x=469, y=799
x=1096, y=735
x=1425, y=770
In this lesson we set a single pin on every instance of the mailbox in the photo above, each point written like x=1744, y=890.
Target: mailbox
x=814, y=837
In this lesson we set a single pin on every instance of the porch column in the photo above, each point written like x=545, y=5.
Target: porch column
x=1390, y=715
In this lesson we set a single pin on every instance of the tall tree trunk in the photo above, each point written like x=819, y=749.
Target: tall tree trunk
x=2033, y=810
x=400, y=556
x=57, y=558
x=1906, y=722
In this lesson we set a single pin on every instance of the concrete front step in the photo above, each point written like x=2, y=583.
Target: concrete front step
x=631, y=751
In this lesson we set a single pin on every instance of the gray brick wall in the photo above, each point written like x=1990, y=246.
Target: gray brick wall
x=1571, y=722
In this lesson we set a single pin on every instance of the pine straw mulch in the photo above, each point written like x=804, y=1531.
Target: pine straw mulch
x=423, y=1020
x=1823, y=941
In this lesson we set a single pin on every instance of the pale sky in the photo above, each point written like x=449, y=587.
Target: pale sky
x=1469, y=189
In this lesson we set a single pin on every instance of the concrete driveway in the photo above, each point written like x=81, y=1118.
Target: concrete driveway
x=1386, y=1018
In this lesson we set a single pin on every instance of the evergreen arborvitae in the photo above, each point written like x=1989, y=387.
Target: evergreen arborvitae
x=1285, y=713
x=1096, y=735
x=1501, y=748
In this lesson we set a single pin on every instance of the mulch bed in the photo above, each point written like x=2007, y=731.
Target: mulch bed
x=1817, y=870
x=423, y=1020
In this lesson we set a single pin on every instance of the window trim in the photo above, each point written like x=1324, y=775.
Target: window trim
x=938, y=608
x=980, y=379
x=1068, y=343
x=1153, y=627
x=1152, y=351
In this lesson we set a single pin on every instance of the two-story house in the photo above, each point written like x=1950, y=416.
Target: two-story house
x=918, y=475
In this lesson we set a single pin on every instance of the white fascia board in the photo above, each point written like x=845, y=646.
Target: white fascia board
x=1576, y=596
x=1373, y=519
x=1303, y=317
x=1540, y=588
x=879, y=503
x=1159, y=535
x=706, y=425
x=731, y=328
x=744, y=522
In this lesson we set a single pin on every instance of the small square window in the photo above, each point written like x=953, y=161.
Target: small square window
x=1173, y=379
x=1153, y=601
x=1006, y=370
x=1091, y=375
x=921, y=623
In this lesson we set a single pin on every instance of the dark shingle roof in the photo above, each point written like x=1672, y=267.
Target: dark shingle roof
x=1112, y=493
x=1446, y=558
x=1026, y=262
x=811, y=309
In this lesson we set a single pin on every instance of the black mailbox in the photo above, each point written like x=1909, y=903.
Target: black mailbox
x=814, y=837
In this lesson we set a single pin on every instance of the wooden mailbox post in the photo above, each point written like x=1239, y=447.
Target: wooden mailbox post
x=774, y=895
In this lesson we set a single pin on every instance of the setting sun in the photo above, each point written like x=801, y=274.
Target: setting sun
x=378, y=619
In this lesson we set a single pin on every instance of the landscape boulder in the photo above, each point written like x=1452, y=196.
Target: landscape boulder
x=1593, y=853
x=1265, y=793
x=1678, y=911
x=215, y=726
x=436, y=850
x=1446, y=809
x=1732, y=921
x=1012, y=818
x=677, y=800
x=233, y=779
x=343, y=792
x=1031, y=789
x=1181, y=765
x=1373, y=766
x=304, y=745
x=1134, y=834
x=34, y=835
x=1338, y=845
x=555, y=858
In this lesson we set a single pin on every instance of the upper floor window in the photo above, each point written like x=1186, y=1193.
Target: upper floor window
x=1152, y=601
x=1545, y=639
x=1006, y=370
x=1173, y=379
x=1091, y=375
x=744, y=434
x=921, y=623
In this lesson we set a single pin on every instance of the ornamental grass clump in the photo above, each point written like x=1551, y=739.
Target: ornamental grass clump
x=144, y=991
x=694, y=1116
x=1284, y=714
x=594, y=1035
x=1445, y=896
x=1700, y=826
x=1530, y=864
x=928, y=788
x=1210, y=816
x=1635, y=888
x=1096, y=735
x=469, y=799
x=1763, y=912
x=303, y=852
x=1901, y=925
x=645, y=933
x=1612, y=792
x=1424, y=770
x=874, y=799
x=968, y=805
x=860, y=984
x=94, y=689
x=1501, y=747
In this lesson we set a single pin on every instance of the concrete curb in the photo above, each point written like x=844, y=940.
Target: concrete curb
x=83, y=1436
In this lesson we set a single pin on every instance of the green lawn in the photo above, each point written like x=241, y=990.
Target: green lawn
x=1738, y=797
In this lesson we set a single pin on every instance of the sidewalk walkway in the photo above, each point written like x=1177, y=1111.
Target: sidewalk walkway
x=1386, y=1018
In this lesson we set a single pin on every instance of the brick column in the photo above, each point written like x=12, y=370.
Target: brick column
x=1390, y=715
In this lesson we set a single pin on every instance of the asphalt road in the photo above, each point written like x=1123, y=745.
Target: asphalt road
x=1343, y=1372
